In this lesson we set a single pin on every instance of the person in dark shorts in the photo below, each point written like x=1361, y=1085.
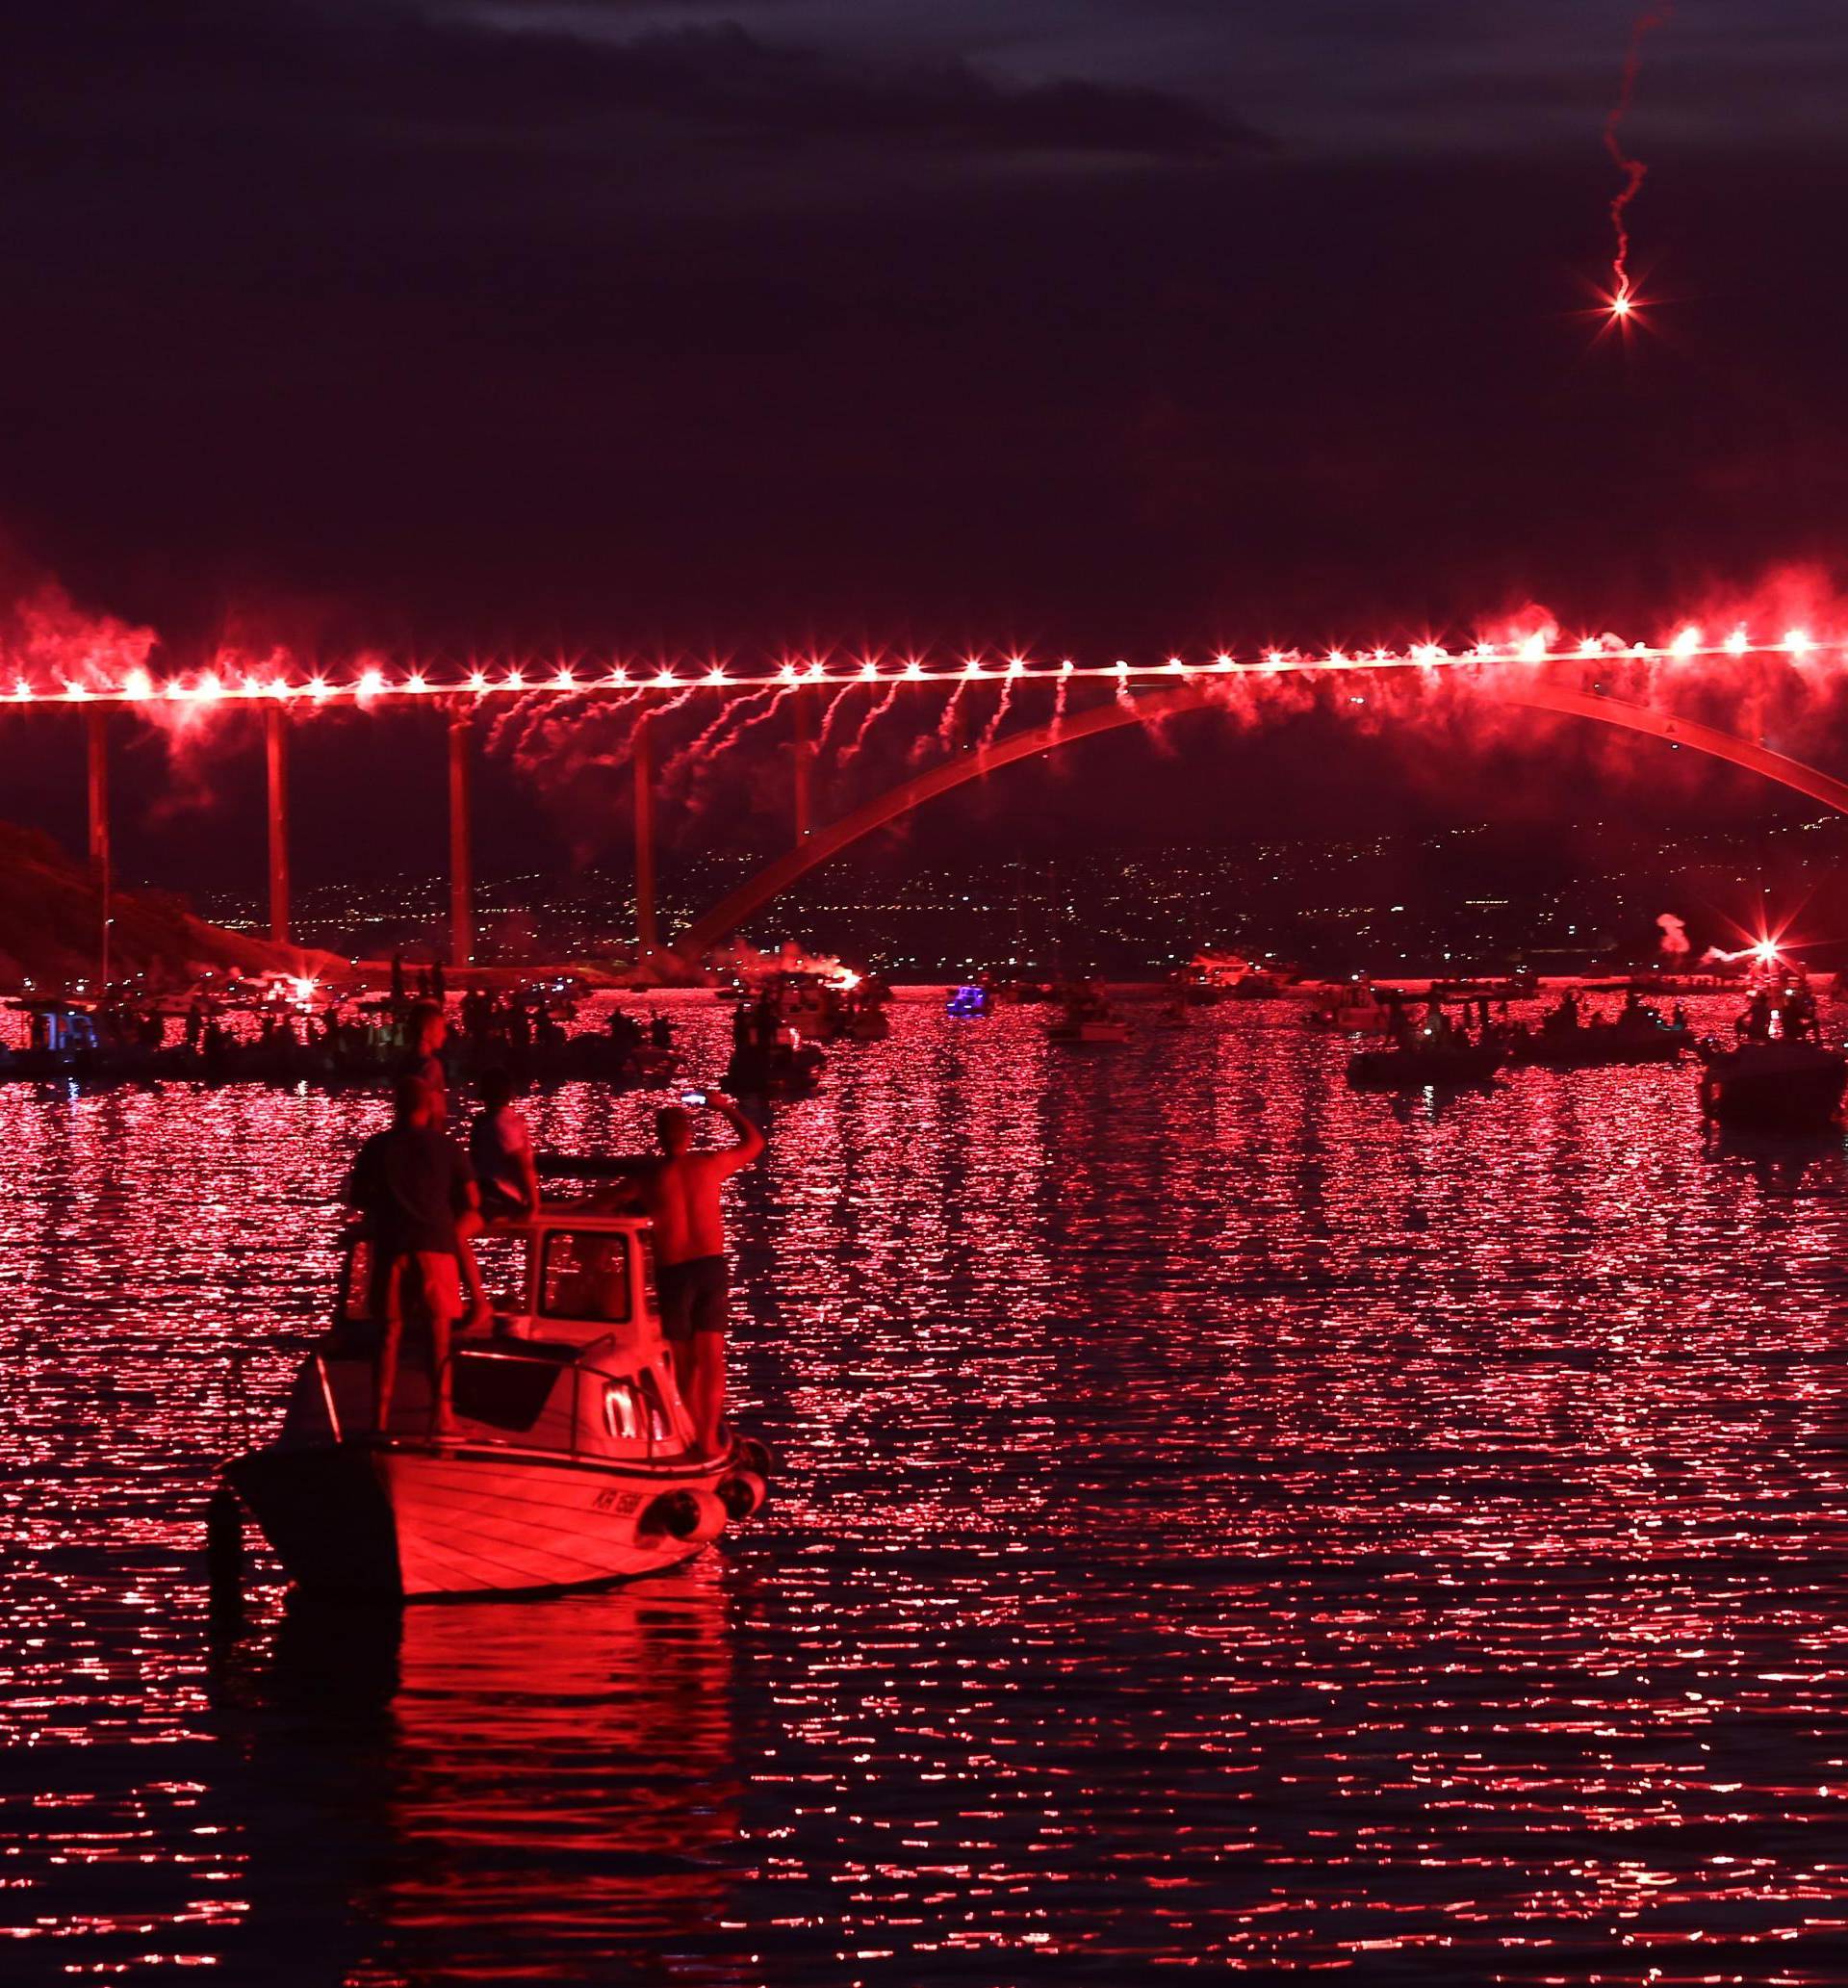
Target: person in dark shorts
x=418, y=1197
x=695, y=1298
x=682, y=1193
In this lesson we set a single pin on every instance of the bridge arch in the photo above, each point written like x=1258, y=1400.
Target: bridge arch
x=825, y=844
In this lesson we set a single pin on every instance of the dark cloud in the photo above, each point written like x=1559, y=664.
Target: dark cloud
x=121, y=81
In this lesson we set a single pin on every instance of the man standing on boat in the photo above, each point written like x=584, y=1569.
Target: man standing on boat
x=427, y=1031
x=500, y=1149
x=421, y=1205
x=682, y=1193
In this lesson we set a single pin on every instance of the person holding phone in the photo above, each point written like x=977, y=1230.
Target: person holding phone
x=682, y=1193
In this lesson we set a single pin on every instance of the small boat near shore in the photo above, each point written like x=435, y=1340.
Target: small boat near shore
x=1786, y=1085
x=572, y=1462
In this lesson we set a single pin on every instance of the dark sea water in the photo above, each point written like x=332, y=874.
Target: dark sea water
x=1224, y=1523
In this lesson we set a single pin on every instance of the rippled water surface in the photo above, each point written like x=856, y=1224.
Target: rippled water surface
x=1224, y=1522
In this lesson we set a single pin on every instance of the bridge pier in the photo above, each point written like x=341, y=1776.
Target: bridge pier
x=802, y=761
x=96, y=758
x=277, y=789
x=641, y=754
x=461, y=879
x=96, y=745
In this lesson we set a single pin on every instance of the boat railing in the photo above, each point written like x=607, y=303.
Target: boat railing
x=657, y=1442
x=534, y=1359
x=327, y=1396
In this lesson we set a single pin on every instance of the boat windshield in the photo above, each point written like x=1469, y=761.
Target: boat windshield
x=502, y=1262
x=585, y=1276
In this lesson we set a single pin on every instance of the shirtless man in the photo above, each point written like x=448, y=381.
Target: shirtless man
x=680, y=1193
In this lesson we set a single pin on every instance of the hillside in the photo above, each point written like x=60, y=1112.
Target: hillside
x=50, y=927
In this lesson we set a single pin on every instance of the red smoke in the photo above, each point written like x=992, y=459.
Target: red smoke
x=1767, y=663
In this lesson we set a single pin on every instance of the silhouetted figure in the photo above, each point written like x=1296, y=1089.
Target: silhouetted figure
x=500, y=1149
x=680, y=1193
x=419, y=1199
x=1754, y=1024
x=422, y=1059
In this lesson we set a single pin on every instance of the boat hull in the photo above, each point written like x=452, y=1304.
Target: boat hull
x=1601, y=1049
x=1393, y=1069
x=1797, y=1091
x=420, y=1522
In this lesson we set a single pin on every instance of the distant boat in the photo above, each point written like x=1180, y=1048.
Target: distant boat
x=1088, y=1019
x=1357, y=1010
x=1089, y=1029
x=571, y=1463
x=1465, y=988
x=785, y=1067
x=1210, y=977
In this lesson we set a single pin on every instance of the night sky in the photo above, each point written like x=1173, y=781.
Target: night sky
x=1103, y=325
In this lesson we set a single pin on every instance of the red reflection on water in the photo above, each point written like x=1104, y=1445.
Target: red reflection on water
x=1225, y=1521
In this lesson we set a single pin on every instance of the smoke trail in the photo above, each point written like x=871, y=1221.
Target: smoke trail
x=777, y=693
x=712, y=739
x=749, y=718
x=877, y=711
x=946, y=725
x=1674, y=942
x=835, y=702
x=1633, y=170
x=1000, y=712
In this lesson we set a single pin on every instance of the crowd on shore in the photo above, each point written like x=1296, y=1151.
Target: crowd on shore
x=342, y=1041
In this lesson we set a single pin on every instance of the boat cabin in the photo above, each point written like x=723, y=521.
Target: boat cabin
x=574, y=1362
x=56, y=1028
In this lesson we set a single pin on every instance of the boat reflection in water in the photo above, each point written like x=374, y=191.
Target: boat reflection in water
x=473, y=1786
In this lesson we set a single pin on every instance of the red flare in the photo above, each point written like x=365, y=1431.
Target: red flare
x=1623, y=296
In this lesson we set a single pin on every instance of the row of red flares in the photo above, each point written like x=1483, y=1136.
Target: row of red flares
x=371, y=684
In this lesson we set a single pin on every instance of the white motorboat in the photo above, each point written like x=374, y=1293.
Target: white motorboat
x=1355, y=1010
x=572, y=1462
